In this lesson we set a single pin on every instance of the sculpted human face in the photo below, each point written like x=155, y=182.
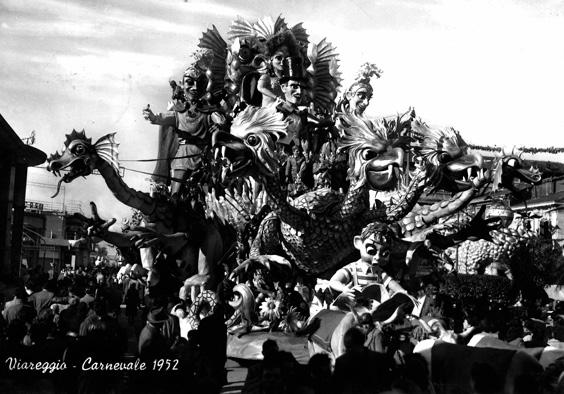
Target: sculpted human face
x=373, y=251
x=292, y=91
x=277, y=58
x=359, y=98
x=190, y=88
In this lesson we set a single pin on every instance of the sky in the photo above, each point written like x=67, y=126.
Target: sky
x=491, y=69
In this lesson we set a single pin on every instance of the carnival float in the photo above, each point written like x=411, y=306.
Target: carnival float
x=275, y=196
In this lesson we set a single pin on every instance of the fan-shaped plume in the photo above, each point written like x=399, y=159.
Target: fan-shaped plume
x=240, y=28
x=107, y=148
x=265, y=27
x=212, y=41
x=259, y=120
x=301, y=34
x=324, y=70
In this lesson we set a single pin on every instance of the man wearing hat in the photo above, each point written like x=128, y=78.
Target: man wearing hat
x=293, y=85
x=152, y=344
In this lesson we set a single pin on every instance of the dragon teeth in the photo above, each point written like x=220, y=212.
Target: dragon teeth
x=223, y=173
x=469, y=172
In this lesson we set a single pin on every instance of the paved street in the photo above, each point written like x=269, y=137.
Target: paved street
x=236, y=375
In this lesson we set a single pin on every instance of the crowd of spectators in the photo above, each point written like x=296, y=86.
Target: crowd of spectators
x=57, y=333
x=105, y=316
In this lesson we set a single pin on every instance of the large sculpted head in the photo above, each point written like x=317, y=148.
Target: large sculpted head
x=194, y=83
x=375, y=158
x=80, y=156
x=250, y=148
x=357, y=97
x=509, y=171
x=448, y=159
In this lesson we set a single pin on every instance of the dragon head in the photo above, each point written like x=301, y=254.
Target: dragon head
x=508, y=167
x=80, y=156
x=250, y=148
x=447, y=158
x=375, y=156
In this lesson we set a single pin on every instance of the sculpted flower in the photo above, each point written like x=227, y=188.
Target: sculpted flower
x=270, y=309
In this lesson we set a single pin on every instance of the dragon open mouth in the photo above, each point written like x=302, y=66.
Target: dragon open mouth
x=233, y=155
x=530, y=176
x=382, y=177
x=462, y=180
x=76, y=168
x=462, y=174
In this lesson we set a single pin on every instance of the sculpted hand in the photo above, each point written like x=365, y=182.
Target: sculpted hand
x=169, y=243
x=149, y=115
x=98, y=226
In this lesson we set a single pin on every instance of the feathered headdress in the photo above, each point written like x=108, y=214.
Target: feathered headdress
x=367, y=71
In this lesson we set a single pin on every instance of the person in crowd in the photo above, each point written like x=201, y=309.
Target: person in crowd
x=212, y=333
x=320, y=373
x=152, y=344
x=42, y=299
x=131, y=303
x=17, y=308
x=89, y=294
x=485, y=379
x=360, y=370
x=180, y=311
x=254, y=373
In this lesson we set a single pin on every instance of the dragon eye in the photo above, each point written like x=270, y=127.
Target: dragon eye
x=368, y=154
x=80, y=149
x=245, y=55
x=253, y=140
x=443, y=157
x=512, y=162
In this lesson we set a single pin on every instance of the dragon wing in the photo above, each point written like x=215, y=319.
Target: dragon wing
x=212, y=41
x=324, y=70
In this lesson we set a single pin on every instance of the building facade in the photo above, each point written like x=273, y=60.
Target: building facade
x=15, y=158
